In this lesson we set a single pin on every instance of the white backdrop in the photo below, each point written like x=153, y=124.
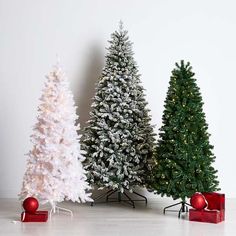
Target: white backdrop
x=163, y=32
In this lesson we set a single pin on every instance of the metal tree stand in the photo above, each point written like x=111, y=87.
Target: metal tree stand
x=57, y=209
x=119, y=198
x=183, y=208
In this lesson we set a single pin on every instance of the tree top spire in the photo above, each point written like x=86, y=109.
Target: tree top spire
x=121, y=26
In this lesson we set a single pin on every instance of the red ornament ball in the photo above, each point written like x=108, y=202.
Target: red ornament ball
x=30, y=204
x=198, y=201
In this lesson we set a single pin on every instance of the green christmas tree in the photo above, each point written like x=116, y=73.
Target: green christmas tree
x=184, y=154
x=119, y=138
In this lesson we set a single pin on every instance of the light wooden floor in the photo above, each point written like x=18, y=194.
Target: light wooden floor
x=114, y=220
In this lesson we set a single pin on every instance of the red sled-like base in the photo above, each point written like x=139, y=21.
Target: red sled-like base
x=38, y=216
x=208, y=216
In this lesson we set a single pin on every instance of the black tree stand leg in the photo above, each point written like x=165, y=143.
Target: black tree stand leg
x=183, y=208
x=130, y=201
x=145, y=199
x=107, y=195
x=102, y=195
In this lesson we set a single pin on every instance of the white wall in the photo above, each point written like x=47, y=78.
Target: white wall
x=163, y=32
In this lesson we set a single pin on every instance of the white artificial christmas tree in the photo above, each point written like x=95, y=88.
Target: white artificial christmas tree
x=119, y=139
x=54, y=169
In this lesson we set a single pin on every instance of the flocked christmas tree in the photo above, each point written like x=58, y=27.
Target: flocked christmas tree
x=184, y=155
x=119, y=138
x=54, y=169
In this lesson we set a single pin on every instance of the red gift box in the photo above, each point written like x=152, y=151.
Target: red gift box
x=215, y=211
x=38, y=216
x=216, y=201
